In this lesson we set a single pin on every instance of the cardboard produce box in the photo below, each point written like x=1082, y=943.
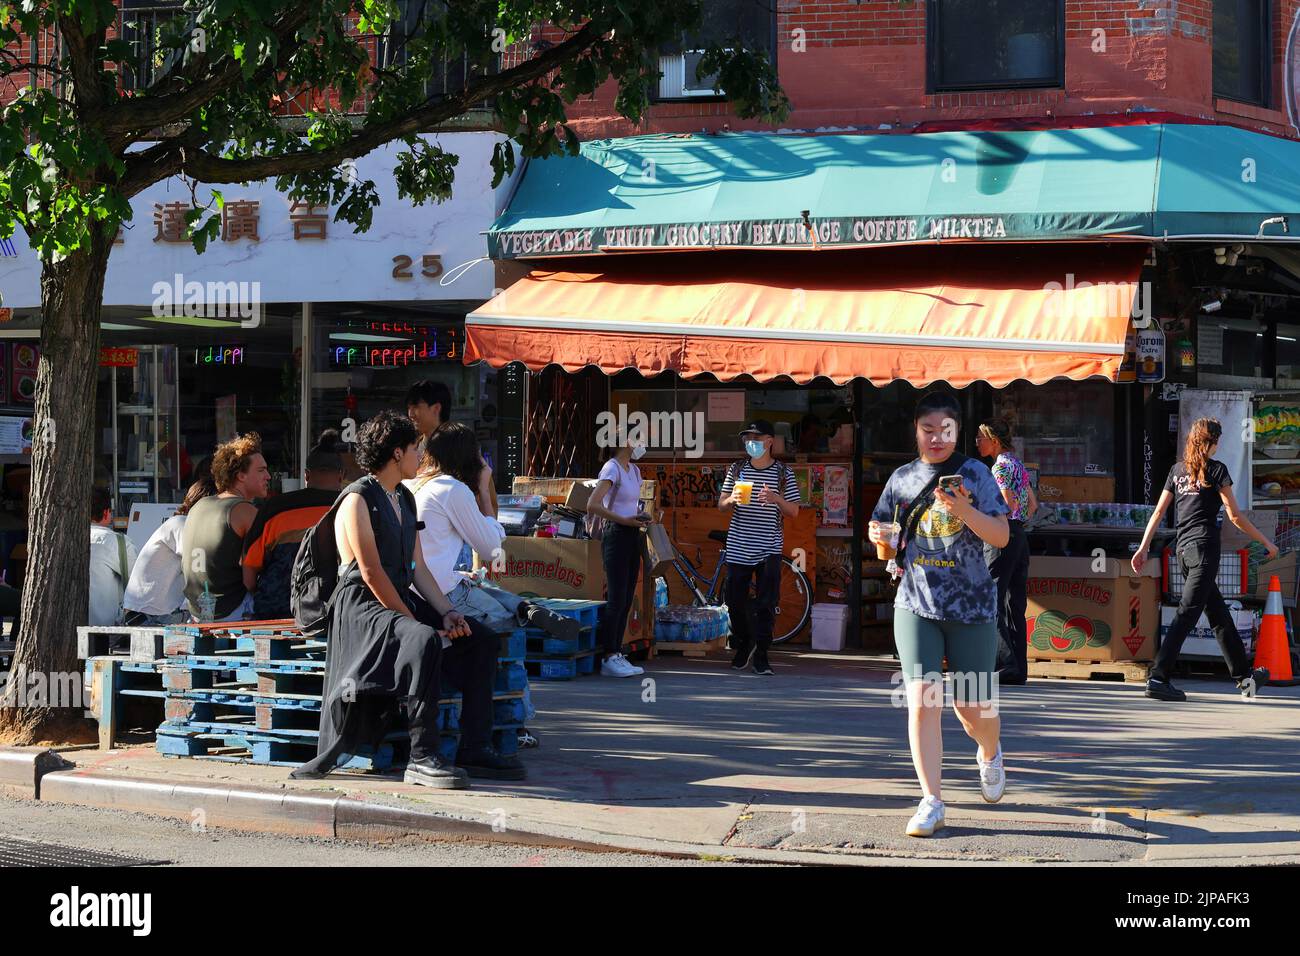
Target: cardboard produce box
x=1078, y=614
x=551, y=567
x=1054, y=488
x=580, y=493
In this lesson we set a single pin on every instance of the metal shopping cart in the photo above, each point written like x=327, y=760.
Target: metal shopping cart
x=1233, y=577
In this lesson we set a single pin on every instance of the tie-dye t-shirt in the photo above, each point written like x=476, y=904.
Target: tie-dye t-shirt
x=945, y=575
x=1012, y=478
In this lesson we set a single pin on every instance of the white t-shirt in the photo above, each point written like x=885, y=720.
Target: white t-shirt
x=451, y=518
x=107, y=577
x=157, y=584
x=625, y=488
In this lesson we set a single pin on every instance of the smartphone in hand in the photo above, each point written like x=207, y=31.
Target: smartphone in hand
x=950, y=484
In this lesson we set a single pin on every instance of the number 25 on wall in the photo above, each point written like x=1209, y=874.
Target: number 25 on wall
x=431, y=267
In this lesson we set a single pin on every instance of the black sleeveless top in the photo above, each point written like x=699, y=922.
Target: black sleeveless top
x=395, y=542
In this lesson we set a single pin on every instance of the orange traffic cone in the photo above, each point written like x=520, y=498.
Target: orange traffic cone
x=1271, y=649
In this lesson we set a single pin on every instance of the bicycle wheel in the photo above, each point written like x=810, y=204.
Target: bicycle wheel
x=794, y=605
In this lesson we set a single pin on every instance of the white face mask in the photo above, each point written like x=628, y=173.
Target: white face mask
x=637, y=451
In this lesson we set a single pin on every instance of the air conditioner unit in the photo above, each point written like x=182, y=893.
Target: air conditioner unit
x=678, y=79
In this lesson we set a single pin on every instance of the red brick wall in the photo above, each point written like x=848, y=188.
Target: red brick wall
x=863, y=65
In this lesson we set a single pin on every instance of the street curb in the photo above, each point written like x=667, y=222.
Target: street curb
x=22, y=768
x=284, y=813
x=251, y=809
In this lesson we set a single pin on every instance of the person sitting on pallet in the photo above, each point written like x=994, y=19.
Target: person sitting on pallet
x=383, y=619
x=451, y=517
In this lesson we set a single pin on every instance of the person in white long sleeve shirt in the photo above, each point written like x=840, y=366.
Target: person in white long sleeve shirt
x=111, y=558
x=155, y=594
x=452, y=517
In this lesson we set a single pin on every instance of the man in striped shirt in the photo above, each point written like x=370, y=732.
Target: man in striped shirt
x=767, y=495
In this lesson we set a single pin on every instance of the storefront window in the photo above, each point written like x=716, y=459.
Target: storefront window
x=1229, y=352
x=1062, y=428
x=365, y=357
x=700, y=417
x=1288, y=355
x=215, y=378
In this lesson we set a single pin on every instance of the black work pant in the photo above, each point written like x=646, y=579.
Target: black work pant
x=621, y=551
x=469, y=665
x=1200, y=563
x=752, y=620
x=1011, y=573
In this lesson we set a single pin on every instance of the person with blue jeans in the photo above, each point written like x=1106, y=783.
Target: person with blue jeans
x=946, y=606
x=453, y=519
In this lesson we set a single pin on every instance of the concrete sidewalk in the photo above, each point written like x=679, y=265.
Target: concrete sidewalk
x=814, y=763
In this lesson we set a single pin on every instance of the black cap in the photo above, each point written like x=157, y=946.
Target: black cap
x=759, y=426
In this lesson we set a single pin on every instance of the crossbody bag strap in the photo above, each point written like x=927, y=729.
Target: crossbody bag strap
x=912, y=516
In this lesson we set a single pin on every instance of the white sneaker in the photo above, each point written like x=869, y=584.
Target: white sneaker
x=927, y=819
x=993, y=778
x=616, y=665
x=632, y=667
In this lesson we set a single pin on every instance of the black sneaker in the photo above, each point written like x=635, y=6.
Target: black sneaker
x=1163, y=690
x=437, y=773
x=743, y=653
x=1251, y=684
x=554, y=624
x=488, y=764
x=527, y=739
x=761, y=666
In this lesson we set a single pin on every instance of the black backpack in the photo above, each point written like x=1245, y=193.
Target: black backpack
x=316, y=567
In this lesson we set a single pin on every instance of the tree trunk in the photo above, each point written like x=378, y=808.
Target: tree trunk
x=57, y=584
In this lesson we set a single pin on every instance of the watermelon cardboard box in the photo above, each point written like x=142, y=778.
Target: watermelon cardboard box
x=1076, y=613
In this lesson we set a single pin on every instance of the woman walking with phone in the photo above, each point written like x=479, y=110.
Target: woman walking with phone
x=1199, y=486
x=1011, y=568
x=948, y=507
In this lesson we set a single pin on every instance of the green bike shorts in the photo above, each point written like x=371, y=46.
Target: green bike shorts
x=971, y=651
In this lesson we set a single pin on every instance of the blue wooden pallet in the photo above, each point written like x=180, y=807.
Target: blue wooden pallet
x=281, y=751
x=513, y=646
x=252, y=747
x=511, y=677
x=587, y=613
x=508, y=712
x=561, y=668
x=540, y=643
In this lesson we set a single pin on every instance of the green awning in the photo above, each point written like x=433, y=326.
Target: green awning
x=752, y=190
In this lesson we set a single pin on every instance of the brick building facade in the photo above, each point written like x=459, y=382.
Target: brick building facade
x=867, y=64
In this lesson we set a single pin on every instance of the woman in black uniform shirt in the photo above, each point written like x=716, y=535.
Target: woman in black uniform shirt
x=1200, y=485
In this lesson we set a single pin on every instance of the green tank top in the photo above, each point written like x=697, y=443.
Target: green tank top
x=210, y=555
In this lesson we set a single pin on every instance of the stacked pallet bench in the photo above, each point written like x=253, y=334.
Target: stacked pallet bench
x=123, y=667
x=553, y=658
x=251, y=691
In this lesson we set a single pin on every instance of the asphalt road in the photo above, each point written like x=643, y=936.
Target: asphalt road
x=172, y=843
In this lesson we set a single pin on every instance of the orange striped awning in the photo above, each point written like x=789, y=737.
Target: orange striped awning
x=959, y=315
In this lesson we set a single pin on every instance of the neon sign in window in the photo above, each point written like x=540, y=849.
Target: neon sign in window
x=219, y=355
x=395, y=354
